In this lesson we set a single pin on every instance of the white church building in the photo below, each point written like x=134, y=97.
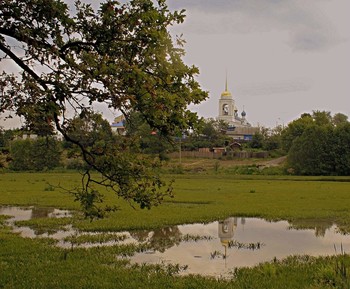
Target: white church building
x=237, y=126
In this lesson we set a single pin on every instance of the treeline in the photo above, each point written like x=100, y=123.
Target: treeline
x=316, y=143
x=31, y=154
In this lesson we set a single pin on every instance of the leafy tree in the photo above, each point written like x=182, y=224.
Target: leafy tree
x=148, y=140
x=341, y=149
x=298, y=126
x=37, y=155
x=294, y=130
x=6, y=136
x=121, y=55
x=339, y=118
x=211, y=133
x=257, y=141
x=320, y=145
x=310, y=153
x=266, y=139
x=273, y=140
x=322, y=118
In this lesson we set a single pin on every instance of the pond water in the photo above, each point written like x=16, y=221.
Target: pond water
x=28, y=213
x=213, y=249
x=239, y=242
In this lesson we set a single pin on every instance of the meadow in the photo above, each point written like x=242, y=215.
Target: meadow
x=307, y=202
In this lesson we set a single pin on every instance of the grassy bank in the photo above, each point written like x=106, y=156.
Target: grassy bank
x=306, y=202
x=198, y=198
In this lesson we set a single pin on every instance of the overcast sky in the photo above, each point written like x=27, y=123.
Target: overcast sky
x=282, y=57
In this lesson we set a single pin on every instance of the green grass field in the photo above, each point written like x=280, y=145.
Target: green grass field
x=304, y=201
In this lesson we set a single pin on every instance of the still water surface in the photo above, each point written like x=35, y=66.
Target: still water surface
x=213, y=249
x=216, y=258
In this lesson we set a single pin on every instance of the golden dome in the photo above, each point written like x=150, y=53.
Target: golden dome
x=226, y=93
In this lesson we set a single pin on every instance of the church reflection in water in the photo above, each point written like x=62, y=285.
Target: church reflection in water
x=226, y=231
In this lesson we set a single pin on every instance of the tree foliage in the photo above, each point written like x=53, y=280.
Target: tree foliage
x=35, y=155
x=6, y=136
x=121, y=55
x=146, y=139
x=318, y=145
x=267, y=139
x=294, y=130
x=339, y=119
x=341, y=149
x=210, y=133
x=310, y=153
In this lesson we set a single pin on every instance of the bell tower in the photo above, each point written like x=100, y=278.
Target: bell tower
x=227, y=108
x=237, y=125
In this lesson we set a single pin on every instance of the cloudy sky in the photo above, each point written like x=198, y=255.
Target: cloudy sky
x=282, y=57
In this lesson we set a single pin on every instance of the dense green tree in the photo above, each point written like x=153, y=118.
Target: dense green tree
x=273, y=142
x=37, y=155
x=341, y=148
x=319, y=145
x=294, y=130
x=122, y=55
x=257, y=141
x=266, y=139
x=322, y=118
x=213, y=129
x=6, y=136
x=145, y=138
x=339, y=118
x=298, y=126
x=310, y=152
x=210, y=133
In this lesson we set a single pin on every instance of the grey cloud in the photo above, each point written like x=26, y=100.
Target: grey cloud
x=307, y=27
x=310, y=40
x=280, y=87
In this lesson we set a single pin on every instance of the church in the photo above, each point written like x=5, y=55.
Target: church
x=237, y=126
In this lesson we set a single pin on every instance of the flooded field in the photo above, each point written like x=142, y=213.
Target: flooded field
x=213, y=249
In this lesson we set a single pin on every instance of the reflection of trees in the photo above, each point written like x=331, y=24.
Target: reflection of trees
x=41, y=212
x=320, y=226
x=159, y=240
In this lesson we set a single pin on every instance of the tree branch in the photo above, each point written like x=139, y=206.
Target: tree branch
x=21, y=64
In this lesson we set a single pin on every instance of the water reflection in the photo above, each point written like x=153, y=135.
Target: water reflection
x=226, y=231
x=213, y=249
x=159, y=240
x=320, y=226
x=240, y=242
x=27, y=213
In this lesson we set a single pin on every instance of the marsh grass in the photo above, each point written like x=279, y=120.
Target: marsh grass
x=247, y=246
x=37, y=263
x=46, y=225
x=99, y=238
